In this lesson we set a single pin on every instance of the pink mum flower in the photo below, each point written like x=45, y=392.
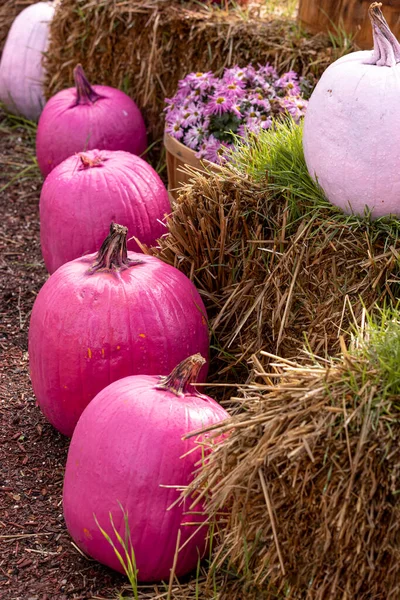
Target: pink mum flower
x=267, y=71
x=296, y=107
x=201, y=81
x=236, y=109
x=219, y=104
x=289, y=83
x=253, y=113
x=175, y=129
x=234, y=89
x=253, y=125
x=193, y=137
x=265, y=122
x=245, y=100
x=191, y=114
x=236, y=74
x=209, y=149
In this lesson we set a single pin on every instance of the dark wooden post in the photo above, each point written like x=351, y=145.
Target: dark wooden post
x=352, y=15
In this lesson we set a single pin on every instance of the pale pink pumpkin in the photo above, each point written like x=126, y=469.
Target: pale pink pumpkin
x=352, y=127
x=21, y=68
x=100, y=318
x=87, y=117
x=83, y=194
x=128, y=444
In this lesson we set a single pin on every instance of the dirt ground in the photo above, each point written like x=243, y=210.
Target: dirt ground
x=37, y=558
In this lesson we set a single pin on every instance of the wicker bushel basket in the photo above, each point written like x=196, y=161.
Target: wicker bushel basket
x=178, y=156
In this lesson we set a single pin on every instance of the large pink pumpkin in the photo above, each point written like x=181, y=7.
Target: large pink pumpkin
x=352, y=127
x=100, y=318
x=87, y=117
x=83, y=194
x=127, y=445
x=21, y=68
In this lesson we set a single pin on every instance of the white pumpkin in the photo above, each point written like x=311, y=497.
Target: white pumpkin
x=21, y=69
x=351, y=134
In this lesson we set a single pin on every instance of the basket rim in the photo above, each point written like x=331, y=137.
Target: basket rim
x=186, y=154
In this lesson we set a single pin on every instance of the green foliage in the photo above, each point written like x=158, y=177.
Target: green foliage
x=379, y=344
x=274, y=159
x=224, y=127
x=18, y=121
x=338, y=36
x=125, y=553
x=13, y=122
x=126, y=85
x=24, y=166
x=282, y=8
x=306, y=87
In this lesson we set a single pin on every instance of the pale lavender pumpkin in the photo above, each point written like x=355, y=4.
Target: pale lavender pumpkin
x=100, y=318
x=83, y=194
x=128, y=444
x=21, y=69
x=352, y=127
x=87, y=117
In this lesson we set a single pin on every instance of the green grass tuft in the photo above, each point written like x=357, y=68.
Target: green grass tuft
x=23, y=164
x=282, y=8
x=274, y=159
x=379, y=344
x=13, y=122
x=125, y=552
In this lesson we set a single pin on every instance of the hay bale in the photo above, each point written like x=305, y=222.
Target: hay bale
x=273, y=268
x=145, y=46
x=309, y=475
x=9, y=9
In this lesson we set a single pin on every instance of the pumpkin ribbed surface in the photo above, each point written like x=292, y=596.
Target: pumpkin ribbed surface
x=87, y=117
x=90, y=329
x=83, y=194
x=126, y=446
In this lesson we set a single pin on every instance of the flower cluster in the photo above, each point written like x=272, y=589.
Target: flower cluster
x=207, y=112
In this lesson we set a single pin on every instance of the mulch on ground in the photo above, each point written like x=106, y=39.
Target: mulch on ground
x=37, y=558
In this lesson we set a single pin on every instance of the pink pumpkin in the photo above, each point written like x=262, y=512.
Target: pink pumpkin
x=83, y=194
x=85, y=118
x=21, y=68
x=352, y=127
x=100, y=318
x=127, y=445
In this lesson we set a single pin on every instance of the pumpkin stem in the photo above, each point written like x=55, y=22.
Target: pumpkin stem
x=113, y=254
x=386, y=48
x=85, y=94
x=183, y=376
x=87, y=162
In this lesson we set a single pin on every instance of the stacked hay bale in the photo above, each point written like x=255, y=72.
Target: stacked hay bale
x=277, y=266
x=145, y=46
x=305, y=483
x=309, y=474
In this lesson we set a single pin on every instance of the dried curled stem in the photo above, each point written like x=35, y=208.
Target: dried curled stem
x=113, y=254
x=386, y=47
